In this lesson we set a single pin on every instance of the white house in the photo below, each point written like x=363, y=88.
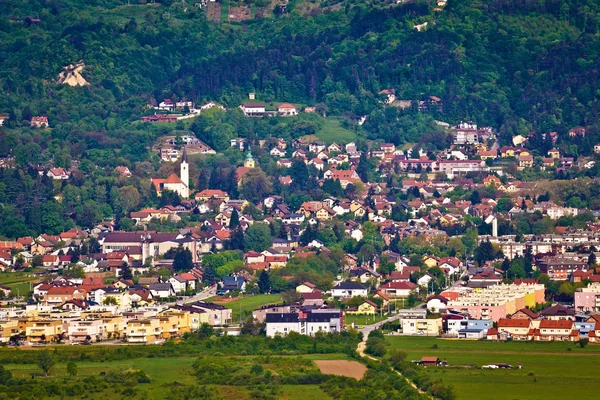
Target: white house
x=349, y=289
x=254, y=110
x=178, y=283
x=166, y=104
x=58, y=173
x=277, y=152
x=161, y=290
x=306, y=287
x=424, y=280
x=287, y=110
x=295, y=219
x=436, y=303
x=306, y=323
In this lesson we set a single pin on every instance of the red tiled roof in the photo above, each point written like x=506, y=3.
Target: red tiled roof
x=513, y=323
x=556, y=324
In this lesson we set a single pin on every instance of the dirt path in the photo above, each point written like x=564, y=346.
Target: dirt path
x=361, y=352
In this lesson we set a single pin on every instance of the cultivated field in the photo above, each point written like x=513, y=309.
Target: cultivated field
x=550, y=370
x=351, y=369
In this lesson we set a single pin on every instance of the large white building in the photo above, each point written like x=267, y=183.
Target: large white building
x=305, y=323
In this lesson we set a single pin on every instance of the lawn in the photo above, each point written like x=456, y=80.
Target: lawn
x=544, y=365
x=18, y=282
x=332, y=131
x=362, y=319
x=246, y=305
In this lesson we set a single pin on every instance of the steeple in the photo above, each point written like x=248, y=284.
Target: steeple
x=185, y=175
x=249, y=162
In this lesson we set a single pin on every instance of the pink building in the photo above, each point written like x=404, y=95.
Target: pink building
x=588, y=299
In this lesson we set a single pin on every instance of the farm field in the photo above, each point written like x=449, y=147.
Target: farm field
x=352, y=369
x=544, y=365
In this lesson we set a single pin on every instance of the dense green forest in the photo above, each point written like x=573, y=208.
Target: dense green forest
x=520, y=66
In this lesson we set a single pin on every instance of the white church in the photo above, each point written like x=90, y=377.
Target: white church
x=179, y=185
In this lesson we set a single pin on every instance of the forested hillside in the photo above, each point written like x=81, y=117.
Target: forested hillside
x=517, y=65
x=521, y=66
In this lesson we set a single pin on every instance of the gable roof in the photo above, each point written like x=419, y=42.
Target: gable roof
x=513, y=323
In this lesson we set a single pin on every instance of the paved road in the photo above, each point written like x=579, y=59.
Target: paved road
x=205, y=294
x=369, y=328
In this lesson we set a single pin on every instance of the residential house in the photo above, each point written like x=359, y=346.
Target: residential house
x=367, y=307
x=516, y=329
x=39, y=122
x=349, y=289
x=398, y=289
x=161, y=290
x=287, y=110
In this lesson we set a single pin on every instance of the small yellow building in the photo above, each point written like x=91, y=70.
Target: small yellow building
x=366, y=308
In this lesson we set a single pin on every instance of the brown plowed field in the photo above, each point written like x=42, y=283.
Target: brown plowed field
x=352, y=369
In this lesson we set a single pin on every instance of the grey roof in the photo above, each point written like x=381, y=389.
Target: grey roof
x=350, y=285
x=159, y=287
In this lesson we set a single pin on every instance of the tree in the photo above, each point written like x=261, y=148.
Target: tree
x=5, y=375
x=183, y=260
x=208, y=275
x=475, y=198
x=264, y=282
x=72, y=368
x=45, y=360
x=485, y=252
x=386, y=267
x=255, y=185
x=258, y=237
x=126, y=272
x=592, y=259
x=234, y=221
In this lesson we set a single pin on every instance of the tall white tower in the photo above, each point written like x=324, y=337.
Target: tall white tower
x=185, y=175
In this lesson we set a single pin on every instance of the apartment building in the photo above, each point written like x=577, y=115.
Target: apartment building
x=305, y=323
x=421, y=326
x=497, y=301
x=144, y=331
x=86, y=329
x=38, y=330
x=8, y=328
x=588, y=299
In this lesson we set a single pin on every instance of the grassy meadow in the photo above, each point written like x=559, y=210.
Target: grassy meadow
x=167, y=373
x=550, y=370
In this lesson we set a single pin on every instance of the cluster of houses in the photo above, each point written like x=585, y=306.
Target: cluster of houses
x=149, y=324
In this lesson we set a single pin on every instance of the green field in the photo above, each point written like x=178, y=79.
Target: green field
x=550, y=370
x=332, y=131
x=362, y=319
x=18, y=282
x=246, y=305
x=165, y=373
